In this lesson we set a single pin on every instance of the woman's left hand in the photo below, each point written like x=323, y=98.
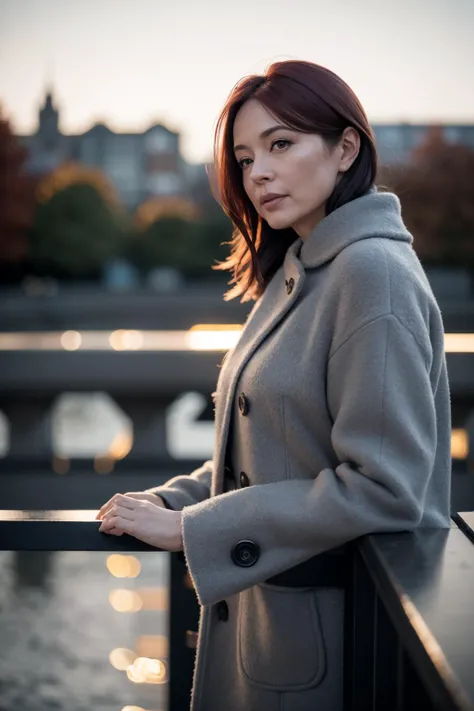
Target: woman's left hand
x=151, y=524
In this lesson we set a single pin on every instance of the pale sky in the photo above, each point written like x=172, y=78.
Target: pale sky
x=131, y=63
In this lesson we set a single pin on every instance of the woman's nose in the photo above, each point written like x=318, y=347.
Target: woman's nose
x=261, y=171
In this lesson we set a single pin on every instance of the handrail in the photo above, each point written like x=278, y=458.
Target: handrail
x=409, y=609
x=424, y=581
x=68, y=530
x=74, y=530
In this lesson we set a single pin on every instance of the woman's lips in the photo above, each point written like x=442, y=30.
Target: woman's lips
x=273, y=204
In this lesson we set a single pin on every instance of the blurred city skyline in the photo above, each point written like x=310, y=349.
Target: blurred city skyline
x=133, y=63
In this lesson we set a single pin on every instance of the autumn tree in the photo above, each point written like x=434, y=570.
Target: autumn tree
x=16, y=198
x=76, y=231
x=436, y=189
x=179, y=232
x=191, y=246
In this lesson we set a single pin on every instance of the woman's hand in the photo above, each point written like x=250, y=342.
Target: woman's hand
x=141, y=495
x=144, y=520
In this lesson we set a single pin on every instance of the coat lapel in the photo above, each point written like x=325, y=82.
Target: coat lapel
x=274, y=304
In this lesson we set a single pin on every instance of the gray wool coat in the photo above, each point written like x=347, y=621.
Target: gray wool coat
x=339, y=401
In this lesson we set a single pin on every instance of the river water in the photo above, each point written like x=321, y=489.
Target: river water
x=59, y=625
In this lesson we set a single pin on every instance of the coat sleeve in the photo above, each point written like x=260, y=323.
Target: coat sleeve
x=381, y=398
x=187, y=489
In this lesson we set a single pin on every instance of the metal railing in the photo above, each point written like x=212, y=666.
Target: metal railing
x=78, y=531
x=409, y=609
x=412, y=621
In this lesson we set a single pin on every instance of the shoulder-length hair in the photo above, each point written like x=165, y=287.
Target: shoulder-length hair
x=305, y=97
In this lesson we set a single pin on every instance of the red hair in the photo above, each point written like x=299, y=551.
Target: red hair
x=305, y=97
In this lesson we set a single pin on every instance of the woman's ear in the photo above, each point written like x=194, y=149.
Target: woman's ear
x=350, y=147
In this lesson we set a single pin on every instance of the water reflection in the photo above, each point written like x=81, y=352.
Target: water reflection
x=33, y=569
x=123, y=566
x=65, y=647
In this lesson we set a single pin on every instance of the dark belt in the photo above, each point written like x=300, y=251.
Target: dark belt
x=326, y=570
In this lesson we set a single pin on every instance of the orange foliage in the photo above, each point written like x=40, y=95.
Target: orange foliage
x=156, y=208
x=71, y=173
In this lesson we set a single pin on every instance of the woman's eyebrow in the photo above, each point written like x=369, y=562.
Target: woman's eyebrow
x=264, y=134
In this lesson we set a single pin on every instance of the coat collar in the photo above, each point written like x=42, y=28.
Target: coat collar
x=372, y=215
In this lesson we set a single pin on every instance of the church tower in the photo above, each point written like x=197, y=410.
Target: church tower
x=48, y=129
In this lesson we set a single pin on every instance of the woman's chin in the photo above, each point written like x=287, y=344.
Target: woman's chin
x=279, y=222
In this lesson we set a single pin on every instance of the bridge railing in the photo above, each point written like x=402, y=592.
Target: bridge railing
x=411, y=612
x=74, y=530
x=409, y=609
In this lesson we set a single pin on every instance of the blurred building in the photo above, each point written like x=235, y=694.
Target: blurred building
x=139, y=165
x=395, y=141
x=143, y=165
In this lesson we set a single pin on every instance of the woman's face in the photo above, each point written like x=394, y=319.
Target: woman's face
x=299, y=167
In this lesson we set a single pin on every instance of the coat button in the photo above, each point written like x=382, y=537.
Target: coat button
x=245, y=553
x=244, y=480
x=290, y=283
x=243, y=404
x=222, y=611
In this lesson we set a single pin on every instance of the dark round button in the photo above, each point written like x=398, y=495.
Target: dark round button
x=222, y=611
x=243, y=404
x=245, y=553
x=244, y=480
x=290, y=283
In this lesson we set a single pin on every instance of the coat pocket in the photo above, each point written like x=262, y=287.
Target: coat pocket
x=280, y=641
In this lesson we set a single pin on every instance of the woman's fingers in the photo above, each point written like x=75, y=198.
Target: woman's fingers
x=106, y=507
x=113, y=532
x=120, y=514
x=118, y=521
x=117, y=499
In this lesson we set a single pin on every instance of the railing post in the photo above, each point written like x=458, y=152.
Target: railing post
x=361, y=638
x=183, y=617
x=387, y=660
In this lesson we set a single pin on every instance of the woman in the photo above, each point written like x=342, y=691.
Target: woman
x=332, y=412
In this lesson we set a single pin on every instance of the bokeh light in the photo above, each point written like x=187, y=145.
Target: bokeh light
x=123, y=566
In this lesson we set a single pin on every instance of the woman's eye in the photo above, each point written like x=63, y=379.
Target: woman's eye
x=281, y=143
x=242, y=162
